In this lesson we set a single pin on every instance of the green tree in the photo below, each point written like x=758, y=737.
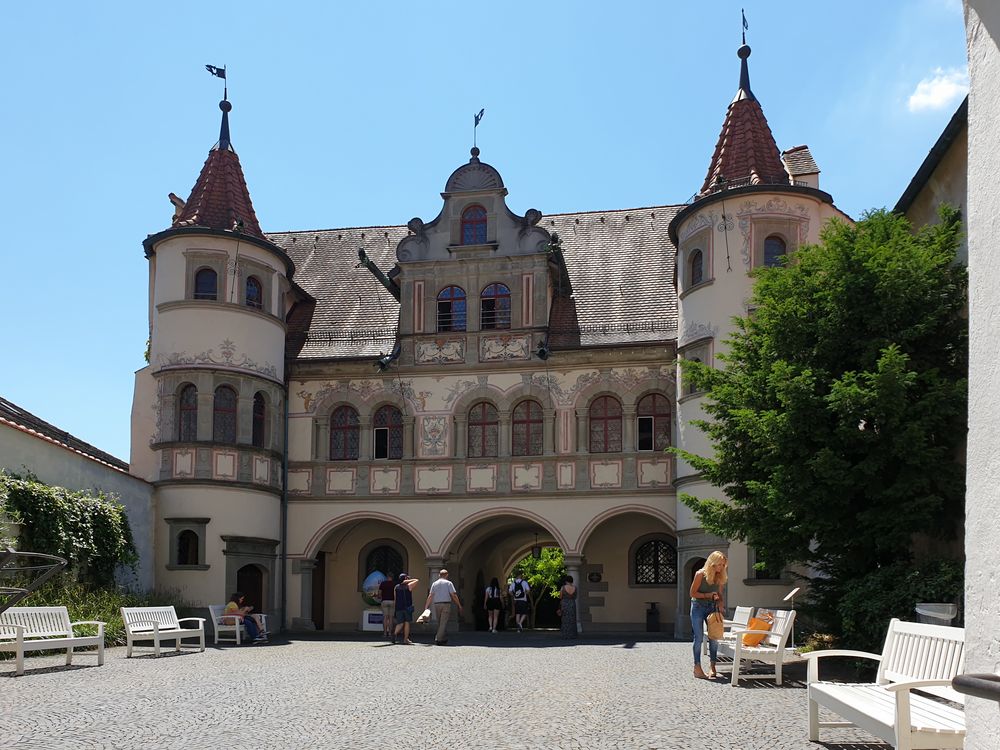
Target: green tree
x=840, y=408
x=544, y=576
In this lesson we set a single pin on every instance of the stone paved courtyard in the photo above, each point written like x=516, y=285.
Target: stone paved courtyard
x=481, y=691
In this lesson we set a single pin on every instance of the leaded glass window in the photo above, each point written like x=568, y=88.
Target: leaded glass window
x=484, y=431
x=259, y=420
x=474, y=226
x=656, y=563
x=388, y=426
x=187, y=414
x=385, y=560
x=451, y=309
x=605, y=425
x=345, y=434
x=206, y=284
x=255, y=293
x=224, y=415
x=697, y=265
x=774, y=251
x=494, y=305
x=653, y=432
x=526, y=429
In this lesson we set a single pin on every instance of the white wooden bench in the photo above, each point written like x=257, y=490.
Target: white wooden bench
x=741, y=616
x=773, y=649
x=45, y=629
x=230, y=627
x=159, y=624
x=915, y=656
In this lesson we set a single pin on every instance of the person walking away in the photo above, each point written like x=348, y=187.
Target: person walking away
x=387, y=593
x=403, y=595
x=491, y=603
x=442, y=595
x=706, y=598
x=567, y=608
x=519, y=593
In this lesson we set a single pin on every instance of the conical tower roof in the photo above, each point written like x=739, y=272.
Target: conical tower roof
x=220, y=199
x=746, y=152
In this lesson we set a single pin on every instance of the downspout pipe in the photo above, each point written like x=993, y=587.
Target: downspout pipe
x=384, y=280
x=284, y=512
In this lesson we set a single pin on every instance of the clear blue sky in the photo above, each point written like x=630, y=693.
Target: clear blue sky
x=352, y=115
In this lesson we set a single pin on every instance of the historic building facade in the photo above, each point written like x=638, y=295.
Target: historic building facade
x=479, y=384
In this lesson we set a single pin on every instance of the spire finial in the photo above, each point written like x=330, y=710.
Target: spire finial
x=224, y=143
x=743, y=53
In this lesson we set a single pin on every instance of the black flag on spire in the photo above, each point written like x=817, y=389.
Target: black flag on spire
x=745, y=25
x=479, y=116
x=221, y=72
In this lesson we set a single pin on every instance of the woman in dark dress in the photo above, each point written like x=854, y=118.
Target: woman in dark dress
x=567, y=608
x=491, y=603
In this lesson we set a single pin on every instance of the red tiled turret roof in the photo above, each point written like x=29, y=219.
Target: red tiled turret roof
x=220, y=199
x=746, y=150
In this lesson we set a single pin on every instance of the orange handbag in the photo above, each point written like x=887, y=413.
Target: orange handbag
x=757, y=623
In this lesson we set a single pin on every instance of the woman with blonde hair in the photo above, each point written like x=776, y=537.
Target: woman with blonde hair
x=706, y=598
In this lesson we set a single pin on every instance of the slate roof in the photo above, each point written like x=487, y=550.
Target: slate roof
x=799, y=160
x=620, y=264
x=14, y=415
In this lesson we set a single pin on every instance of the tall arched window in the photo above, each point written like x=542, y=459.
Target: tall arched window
x=484, y=431
x=386, y=560
x=605, y=425
x=451, y=309
x=224, y=415
x=655, y=563
x=494, y=307
x=187, y=548
x=653, y=423
x=774, y=251
x=255, y=293
x=696, y=268
x=388, y=433
x=526, y=429
x=187, y=414
x=474, y=226
x=206, y=284
x=345, y=434
x=259, y=420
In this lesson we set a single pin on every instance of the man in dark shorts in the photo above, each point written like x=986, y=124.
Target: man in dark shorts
x=519, y=593
x=387, y=593
x=404, y=608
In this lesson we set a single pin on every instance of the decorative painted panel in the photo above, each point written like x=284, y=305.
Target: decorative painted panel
x=224, y=465
x=433, y=436
x=440, y=351
x=481, y=478
x=526, y=477
x=261, y=469
x=299, y=482
x=418, y=307
x=432, y=479
x=500, y=348
x=183, y=463
x=653, y=473
x=527, y=299
x=566, y=476
x=605, y=474
x=341, y=481
x=386, y=481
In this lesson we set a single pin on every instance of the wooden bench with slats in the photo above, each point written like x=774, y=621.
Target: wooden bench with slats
x=45, y=629
x=159, y=624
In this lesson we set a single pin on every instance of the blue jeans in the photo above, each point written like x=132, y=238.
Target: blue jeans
x=251, y=627
x=700, y=610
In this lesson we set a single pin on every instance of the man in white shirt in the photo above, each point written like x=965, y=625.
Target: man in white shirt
x=441, y=597
x=519, y=593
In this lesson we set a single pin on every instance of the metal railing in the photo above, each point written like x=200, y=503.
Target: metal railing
x=25, y=572
x=748, y=181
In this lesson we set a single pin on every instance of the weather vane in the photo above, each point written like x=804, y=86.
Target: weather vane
x=745, y=25
x=477, y=118
x=220, y=73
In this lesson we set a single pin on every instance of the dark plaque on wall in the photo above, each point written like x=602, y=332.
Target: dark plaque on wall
x=594, y=577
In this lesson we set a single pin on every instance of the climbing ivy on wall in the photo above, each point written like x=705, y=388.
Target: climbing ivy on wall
x=89, y=529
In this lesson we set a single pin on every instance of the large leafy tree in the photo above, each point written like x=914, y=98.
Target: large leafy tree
x=840, y=409
x=544, y=576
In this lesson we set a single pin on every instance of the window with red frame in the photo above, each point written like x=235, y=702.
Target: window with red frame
x=224, y=415
x=345, y=434
x=474, y=226
x=451, y=309
x=484, y=431
x=187, y=414
x=259, y=420
x=494, y=307
x=605, y=425
x=526, y=429
x=388, y=426
x=653, y=423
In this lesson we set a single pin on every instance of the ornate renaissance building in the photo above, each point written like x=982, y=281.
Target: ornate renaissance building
x=481, y=383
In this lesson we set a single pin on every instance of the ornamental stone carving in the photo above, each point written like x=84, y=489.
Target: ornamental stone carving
x=440, y=351
x=500, y=348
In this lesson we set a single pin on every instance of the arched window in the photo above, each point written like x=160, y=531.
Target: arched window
x=206, y=284
x=474, y=226
x=484, y=431
x=605, y=425
x=255, y=293
x=696, y=268
x=451, y=309
x=774, y=251
x=526, y=429
x=187, y=414
x=388, y=427
x=655, y=563
x=187, y=548
x=224, y=415
x=386, y=560
x=344, y=434
x=259, y=420
x=653, y=423
x=494, y=307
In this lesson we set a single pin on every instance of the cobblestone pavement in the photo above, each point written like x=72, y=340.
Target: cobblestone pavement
x=481, y=691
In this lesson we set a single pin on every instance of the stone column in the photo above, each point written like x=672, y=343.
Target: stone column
x=366, y=449
x=628, y=429
x=549, y=431
x=504, y=434
x=305, y=570
x=321, y=447
x=206, y=412
x=461, y=435
x=573, y=563
x=582, y=426
x=408, y=424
